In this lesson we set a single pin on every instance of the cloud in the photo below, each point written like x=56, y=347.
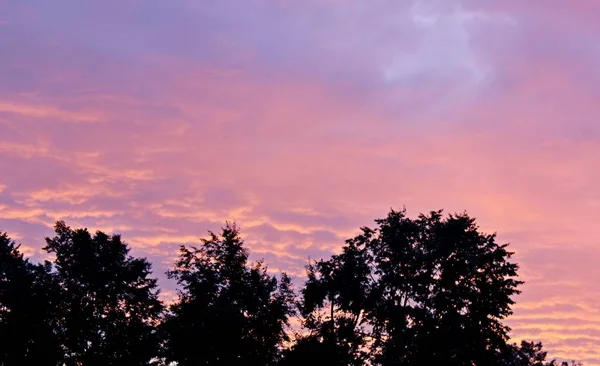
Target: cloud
x=46, y=112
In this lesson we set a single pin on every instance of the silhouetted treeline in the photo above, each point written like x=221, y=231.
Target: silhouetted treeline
x=426, y=291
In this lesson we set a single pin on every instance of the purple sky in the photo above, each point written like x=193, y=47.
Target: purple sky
x=304, y=120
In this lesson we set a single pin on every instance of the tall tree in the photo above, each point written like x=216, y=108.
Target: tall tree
x=110, y=304
x=230, y=312
x=27, y=319
x=431, y=290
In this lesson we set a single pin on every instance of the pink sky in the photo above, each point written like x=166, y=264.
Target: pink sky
x=304, y=120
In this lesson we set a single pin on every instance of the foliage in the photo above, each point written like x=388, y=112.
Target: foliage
x=27, y=319
x=427, y=291
x=532, y=354
x=229, y=312
x=110, y=305
x=431, y=290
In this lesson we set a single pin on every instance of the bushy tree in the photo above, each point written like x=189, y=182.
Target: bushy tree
x=27, y=318
x=110, y=306
x=426, y=291
x=230, y=312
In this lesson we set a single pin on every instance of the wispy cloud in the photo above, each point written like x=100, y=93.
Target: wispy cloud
x=48, y=113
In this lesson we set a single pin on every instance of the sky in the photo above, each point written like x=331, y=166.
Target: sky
x=303, y=120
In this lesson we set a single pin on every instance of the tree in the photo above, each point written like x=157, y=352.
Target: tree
x=110, y=305
x=425, y=291
x=333, y=299
x=27, y=320
x=532, y=354
x=229, y=312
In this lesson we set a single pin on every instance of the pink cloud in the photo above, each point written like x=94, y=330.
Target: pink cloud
x=45, y=112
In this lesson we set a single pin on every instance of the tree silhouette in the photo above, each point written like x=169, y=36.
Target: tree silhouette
x=27, y=300
x=333, y=300
x=428, y=291
x=532, y=354
x=229, y=312
x=110, y=305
